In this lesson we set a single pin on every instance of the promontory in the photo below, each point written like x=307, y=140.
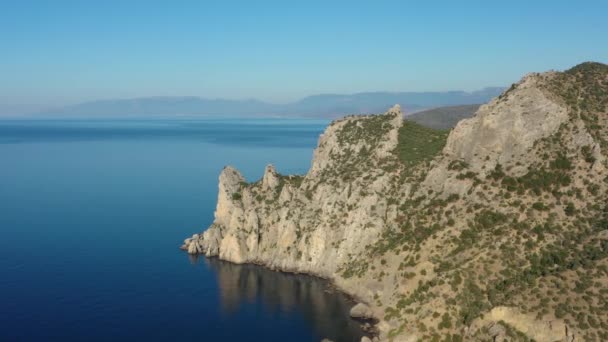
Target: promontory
x=496, y=230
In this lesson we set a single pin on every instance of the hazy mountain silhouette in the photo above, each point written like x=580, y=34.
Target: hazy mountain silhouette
x=324, y=105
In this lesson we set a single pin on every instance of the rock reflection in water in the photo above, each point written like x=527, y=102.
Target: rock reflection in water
x=324, y=308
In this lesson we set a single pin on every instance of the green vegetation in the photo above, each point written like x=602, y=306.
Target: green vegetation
x=570, y=209
x=528, y=241
x=584, y=88
x=418, y=143
x=488, y=219
x=575, y=251
x=540, y=206
x=457, y=165
x=354, y=268
x=407, y=234
x=446, y=322
x=359, y=137
x=551, y=177
x=586, y=151
x=472, y=302
x=467, y=238
x=369, y=129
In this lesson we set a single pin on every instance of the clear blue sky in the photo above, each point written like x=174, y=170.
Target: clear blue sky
x=63, y=52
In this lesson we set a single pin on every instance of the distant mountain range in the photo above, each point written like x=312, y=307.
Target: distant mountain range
x=320, y=106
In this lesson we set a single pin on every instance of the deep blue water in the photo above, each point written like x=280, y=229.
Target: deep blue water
x=91, y=217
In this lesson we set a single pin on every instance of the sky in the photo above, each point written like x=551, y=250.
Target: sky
x=56, y=52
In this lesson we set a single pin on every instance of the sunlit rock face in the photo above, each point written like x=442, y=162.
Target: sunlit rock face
x=291, y=223
x=504, y=130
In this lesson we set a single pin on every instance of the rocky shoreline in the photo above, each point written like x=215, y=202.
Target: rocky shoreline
x=359, y=312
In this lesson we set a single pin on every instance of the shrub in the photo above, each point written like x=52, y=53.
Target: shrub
x=539, y=206
x=458, y=165
x=471, y=302
x=446, y=322
x=488, y=219
x=570, y=209
x=497, y=173
x=466, y=175
x=561, y=162
x=589, y=158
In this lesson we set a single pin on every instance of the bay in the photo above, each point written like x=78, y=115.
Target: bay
x=91, y=216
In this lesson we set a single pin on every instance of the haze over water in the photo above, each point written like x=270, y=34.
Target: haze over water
x=92, y=214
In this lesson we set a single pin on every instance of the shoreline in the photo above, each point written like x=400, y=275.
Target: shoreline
x=368, y=325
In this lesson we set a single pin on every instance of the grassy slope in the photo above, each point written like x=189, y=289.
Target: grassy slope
x=418, y=143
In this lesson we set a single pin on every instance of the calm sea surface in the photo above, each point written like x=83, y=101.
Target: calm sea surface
x=91, y=217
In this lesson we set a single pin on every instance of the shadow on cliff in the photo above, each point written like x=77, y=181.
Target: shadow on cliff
x=326, y=309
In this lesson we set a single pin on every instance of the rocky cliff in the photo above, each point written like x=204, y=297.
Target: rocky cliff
x=497, y=231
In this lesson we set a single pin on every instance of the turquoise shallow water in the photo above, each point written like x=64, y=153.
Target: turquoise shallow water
x=91, y=217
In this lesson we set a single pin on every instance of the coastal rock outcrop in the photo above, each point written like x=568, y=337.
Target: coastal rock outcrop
x=361, y=311
x=493, y=231
x=290, y=222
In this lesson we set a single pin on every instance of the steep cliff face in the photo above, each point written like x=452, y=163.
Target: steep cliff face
x=504, y=130
x=497, y=231
x=312, y=223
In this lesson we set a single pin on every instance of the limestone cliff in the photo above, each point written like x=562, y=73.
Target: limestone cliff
x=495, y=231
x=312, y=223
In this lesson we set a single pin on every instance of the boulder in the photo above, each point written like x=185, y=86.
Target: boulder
x=498, y=332
x=361, y=311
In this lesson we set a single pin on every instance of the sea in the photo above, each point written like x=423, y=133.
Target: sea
x=92, y=213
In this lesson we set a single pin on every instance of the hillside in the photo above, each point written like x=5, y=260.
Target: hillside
x=319, y=106
x=497, y=230
x=443, y=117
